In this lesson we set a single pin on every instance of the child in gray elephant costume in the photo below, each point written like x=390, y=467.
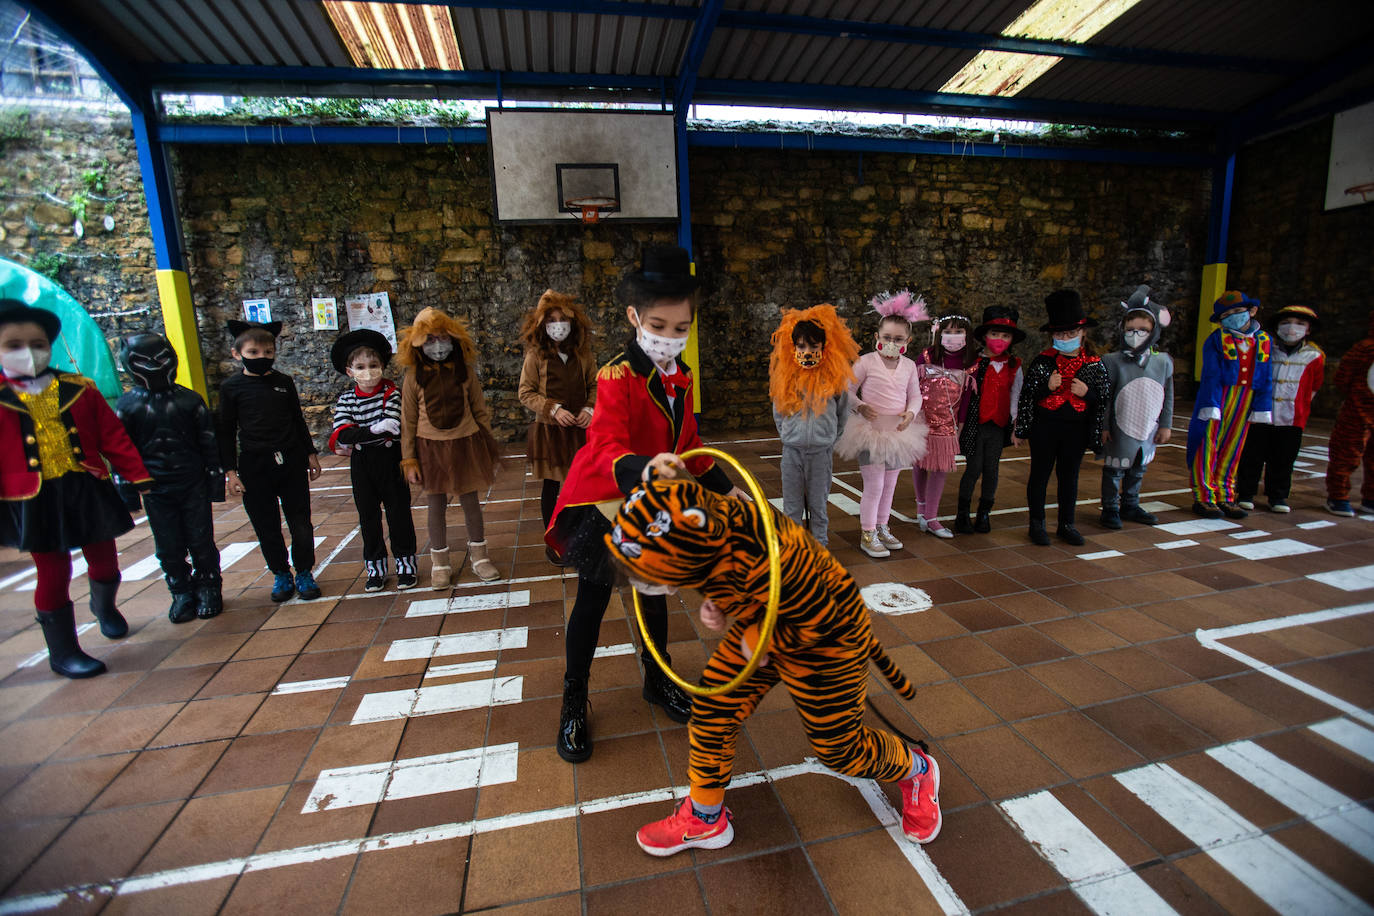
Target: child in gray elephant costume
x=1141, y=411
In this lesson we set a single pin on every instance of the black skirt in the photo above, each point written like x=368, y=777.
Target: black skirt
x=583, y=529
x=69, y=512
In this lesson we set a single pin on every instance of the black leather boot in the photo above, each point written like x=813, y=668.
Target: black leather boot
x=209, y=596
x=183, y=606
x=983, y=523
x=112, y=623
x=1069, y=534
x=962, y=524
x=574, y=737
x=1038, y=534
x=659, y=689
x=64, y=652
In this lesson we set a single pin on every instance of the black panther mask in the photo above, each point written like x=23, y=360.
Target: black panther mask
x=150, y=359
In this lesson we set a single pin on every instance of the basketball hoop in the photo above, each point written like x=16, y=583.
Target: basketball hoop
x=589, y=209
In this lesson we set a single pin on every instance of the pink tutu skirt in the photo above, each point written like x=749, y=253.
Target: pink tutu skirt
x=878, y=441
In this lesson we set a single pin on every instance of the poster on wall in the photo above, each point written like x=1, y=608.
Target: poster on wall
x=257, y=310
x=326, y=311
x=1350, y=175
x=372, y=311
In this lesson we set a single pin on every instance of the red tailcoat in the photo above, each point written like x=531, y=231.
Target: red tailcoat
x=93, y=431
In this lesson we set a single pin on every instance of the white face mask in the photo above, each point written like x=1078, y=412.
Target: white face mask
x=890, y=350
x=1135, y=338
x=1292, y=331
x=659, y=349
x=366, y=378
x=652, y=588
x=25, y=362
x=953, y=342
x=558, y=331
x=437, y=350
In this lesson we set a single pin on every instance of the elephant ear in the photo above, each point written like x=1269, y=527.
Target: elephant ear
x=1164, y=317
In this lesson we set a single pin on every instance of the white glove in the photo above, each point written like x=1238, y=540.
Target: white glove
x=388, y=426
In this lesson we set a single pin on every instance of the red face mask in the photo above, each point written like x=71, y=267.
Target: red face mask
x=995, y=346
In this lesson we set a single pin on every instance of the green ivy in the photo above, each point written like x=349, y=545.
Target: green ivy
x=273, y=109
x=94, y=177
x=78, y=205
x=47, y=263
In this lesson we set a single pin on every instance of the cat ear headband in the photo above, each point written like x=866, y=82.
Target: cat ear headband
x=237, y=327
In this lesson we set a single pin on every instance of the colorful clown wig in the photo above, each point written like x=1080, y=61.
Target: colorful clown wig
x=532, y=333
x=795, y=389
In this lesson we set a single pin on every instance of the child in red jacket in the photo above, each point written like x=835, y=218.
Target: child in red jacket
x=1352, y=441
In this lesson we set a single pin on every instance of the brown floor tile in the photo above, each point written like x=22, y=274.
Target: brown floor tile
x=204, y=720
x=253, y=761
x=947, y=709
x=499, y=872
x=1267, y=696
x=353, y=745
x=61, y=788
x=1025, y=645
x=1179, y=891
x=30, y=741
x=1217, y=883
x=928, y=625
x=213, y=828
x=302, y=890
x=780, y=882
x=255, y=676
x=965, y=655
x=609, y=851
x=1332, y=764
x=1117, y=837
x=271, y=643
x=986, y=861
x=990, y=583
x=1077, y=745
x=1078, y=682
x=1139, y=669
x=318, y=665
x=427, y=735
x=24, y=842
x=1147, y=729
x=678, y=893
x=97, y=847
x=863, y=874
x=184, y=900
x=1080, y=635
x=90, y=695
x=1219, y=715
x=298, y=823
x=1013, y=694
x=1334, y=860
x=1001, y=763
x=633, y=763
x=1235, y=792
x=1187, y=654
x=917, y=665
x=979, y=615
x=161, y=774
x=168, y=685
x=429, y=878
x=398, y=815
x=821, y=807
x=1081, y=599
x=299, y=615
x=205, y=650
x=118, y=729
x=1059, y=903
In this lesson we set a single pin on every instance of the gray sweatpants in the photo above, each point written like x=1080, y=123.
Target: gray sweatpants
x=806, y=488
x=1122, y=494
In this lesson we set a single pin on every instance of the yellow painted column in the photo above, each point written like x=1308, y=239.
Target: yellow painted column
x=1213, y=285
x=691, y=355
x=179, y=320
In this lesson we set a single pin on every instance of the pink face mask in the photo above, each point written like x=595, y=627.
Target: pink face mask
x=995, y=346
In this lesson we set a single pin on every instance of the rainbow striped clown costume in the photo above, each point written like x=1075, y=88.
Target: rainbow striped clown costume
x=1236, y=390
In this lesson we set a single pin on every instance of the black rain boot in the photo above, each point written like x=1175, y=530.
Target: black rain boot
x=983, y=523
x=574, y=737
x=962, y=524
x=112, y=623
x=1067, y=532
x=64, y=652
x=183, y=607
x=1111, y=518
x=209, y=596
x=1038, y=535
x=659, y=689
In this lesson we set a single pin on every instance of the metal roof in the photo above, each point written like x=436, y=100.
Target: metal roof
x=1161, y=63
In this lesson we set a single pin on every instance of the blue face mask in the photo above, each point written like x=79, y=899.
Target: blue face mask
x=1066, y=346
x=1237, y=322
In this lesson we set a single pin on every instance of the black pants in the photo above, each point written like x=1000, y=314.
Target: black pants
x=378, y=483
x=584, y=626
x=548, y=499
x=987, y=452
x=1057, y=442
x=182, y=523
x=1271, y=449
x=265, y=484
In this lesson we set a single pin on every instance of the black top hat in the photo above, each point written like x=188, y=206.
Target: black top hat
x=363, y=337
x=1000, y=318
x=1064, y=308
x=237, y=327
x=665, y=272
x=14, y=311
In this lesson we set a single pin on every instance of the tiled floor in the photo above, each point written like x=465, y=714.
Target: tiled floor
x=300, y=758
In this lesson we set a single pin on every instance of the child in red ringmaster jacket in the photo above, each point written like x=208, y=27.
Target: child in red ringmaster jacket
x=56, y=433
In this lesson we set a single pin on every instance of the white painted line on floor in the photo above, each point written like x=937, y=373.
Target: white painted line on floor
x=1096, y=874
x=235, y=552
x=740, y=441
x=915, y=853
x=1358, y=741
x=482, y=667
x=570, y=574
x=1247, y=535
x=78, y=569
x=1101, y=555
x=1268, y=550
x=1355, y=579
x=42, y=654
x=462, y=605
x=338, y=548
x=1212, y=639
x=624, y=648
x=1158, y=507
x=1340, y=817
x=851, y=506
x=324, y=683
x=1197, y=526
x=141, y=570
x=1175, y=545
x=413, y=777
x=1320, y=452
x=1320, y=523
x=429, y=701
x=458, y=644
x=1266, y=867
x=1302, y=464
x=347, y=486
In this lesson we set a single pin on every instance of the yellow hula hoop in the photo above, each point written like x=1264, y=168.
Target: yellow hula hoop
x=770, y=612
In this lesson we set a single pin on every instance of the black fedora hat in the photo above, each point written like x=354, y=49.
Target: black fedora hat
x=14, y=311
x=1000, y=318
x=1064, y=307
x=665, y=272
x=363, y=337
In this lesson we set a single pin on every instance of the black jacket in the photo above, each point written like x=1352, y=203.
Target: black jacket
x=175, y=434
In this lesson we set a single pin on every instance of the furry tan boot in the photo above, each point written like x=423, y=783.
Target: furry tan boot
x=482, y=566
x=440, y=572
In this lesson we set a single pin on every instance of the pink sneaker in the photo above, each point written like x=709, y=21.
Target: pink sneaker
x=684, y=830
x=921, y=802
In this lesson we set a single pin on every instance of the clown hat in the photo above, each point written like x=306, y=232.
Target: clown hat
x=1300, y=312
x=1232, y=299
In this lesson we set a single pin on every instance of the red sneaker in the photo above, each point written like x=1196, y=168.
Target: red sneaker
x=684, y=830
x=921, y=801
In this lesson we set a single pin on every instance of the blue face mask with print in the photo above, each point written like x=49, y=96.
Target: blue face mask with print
x=1066, y=346
x=1237, y=322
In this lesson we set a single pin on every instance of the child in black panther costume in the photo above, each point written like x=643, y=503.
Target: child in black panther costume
x=174, y=433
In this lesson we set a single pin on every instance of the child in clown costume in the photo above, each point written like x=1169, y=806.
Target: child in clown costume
x=1236, y=390
x=676, y=533
x=808, y=378
x=1352, y=435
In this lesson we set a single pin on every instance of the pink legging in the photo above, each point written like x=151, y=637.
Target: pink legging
x=875, y=506
x=930, y=486
x=55, y=572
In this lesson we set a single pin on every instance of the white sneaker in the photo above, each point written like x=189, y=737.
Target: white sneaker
x=1246, y=504
x=887, y=539
x=869, y=544
x=1279, y=505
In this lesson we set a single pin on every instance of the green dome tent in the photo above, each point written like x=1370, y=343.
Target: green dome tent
x=81, y=346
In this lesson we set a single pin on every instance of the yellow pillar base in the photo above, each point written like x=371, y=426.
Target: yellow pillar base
x=179, y=320
x=1213, y=285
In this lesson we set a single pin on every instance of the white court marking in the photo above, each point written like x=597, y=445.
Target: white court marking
x=1268, y=550
x=324, y=683
x=1101, y=555
x=460, y=668
x=895, y=598
x=1355, y=579
x=1175, y=545
x=458, y=644
x=1247, y=535
x=430, y=701
x=1157, y=506
x=370, y=783
x=1320, y=523
x=1197, y=526
x=1358, y=741
x=42, y=654
x=467, y=603
x=623, y=648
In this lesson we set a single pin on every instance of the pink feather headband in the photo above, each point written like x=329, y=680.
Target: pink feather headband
x=900, y=304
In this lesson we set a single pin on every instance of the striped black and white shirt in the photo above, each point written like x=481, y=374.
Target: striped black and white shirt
x=356, y=412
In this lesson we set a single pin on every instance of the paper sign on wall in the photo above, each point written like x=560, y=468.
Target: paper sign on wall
x=257, y=310
x=326, y=313
x=372, y=311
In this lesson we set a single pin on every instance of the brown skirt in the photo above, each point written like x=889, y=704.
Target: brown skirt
x=458, y=466
x=551, y=448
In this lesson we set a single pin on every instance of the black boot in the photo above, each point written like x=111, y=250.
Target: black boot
x=983, y=523
x=112, y=623
x=1038, y=535
x=1111, y=518
x=183, y=606
x=659, y=689
x=1069, y=534
x=64, y=652
x=209, y=596
x=574, y=737
x=962, y=524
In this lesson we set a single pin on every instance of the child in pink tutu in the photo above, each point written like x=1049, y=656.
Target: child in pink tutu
x=887, y=435
x=942, y=372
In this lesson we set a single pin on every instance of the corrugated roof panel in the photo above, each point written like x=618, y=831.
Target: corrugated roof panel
x=1155, y=87
x=470, y=45
x=311, y=29
x=1278, y=29
x=232, y=31
x=182, y=37
x=123, y=29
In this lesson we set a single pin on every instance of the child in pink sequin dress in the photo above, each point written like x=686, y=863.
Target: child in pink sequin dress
x=942, y=371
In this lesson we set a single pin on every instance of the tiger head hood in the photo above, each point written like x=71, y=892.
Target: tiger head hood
x=678, y=533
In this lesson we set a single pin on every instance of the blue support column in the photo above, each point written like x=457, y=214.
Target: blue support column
x=1218, y=229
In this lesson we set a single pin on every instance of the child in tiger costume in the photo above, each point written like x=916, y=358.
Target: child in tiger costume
x=676, y=533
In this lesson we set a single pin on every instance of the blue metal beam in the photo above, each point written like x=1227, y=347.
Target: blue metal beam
x=1255, y=118
x=63, y=18
x=599, y=7
x=306, y=135
x=1223, y=187
x=682, y=101
x=178, y=76
x=979, y=41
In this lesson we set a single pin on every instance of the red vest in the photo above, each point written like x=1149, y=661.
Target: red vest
x=994, y=403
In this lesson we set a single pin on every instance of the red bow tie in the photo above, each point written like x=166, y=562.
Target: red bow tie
x=678, y=379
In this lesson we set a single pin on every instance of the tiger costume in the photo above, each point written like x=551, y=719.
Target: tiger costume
x=677, y=533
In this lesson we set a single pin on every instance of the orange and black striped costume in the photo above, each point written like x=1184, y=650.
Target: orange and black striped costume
x=678, y=533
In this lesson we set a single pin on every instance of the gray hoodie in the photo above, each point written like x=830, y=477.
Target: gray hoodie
x=814, y=431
